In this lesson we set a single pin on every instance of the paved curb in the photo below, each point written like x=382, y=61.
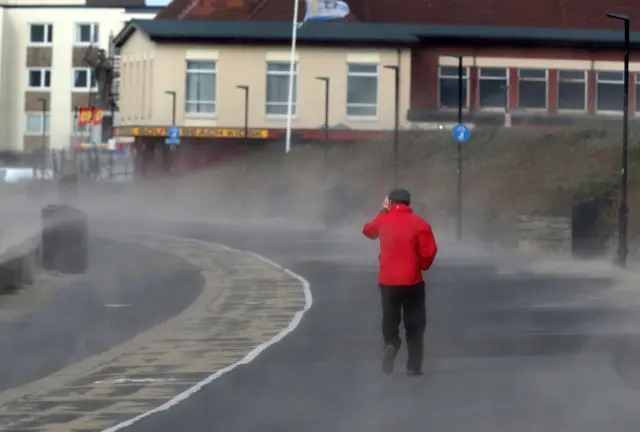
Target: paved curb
x=245, y=302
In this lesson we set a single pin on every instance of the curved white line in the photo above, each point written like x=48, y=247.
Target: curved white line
x=297, y=318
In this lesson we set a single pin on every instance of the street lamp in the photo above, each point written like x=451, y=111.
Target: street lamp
x=246, y=109
x=245, y=88
x=43, y=105
x=507, y=114
x=326, y=81
x=167, y=151
x=624, y=209
x=396, y=70
x=173, y=106
x=459, y=171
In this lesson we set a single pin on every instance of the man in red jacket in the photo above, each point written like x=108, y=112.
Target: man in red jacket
x=407, y=248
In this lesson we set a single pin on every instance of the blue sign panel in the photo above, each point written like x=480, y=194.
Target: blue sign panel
x=173, y=137
x=461, y=132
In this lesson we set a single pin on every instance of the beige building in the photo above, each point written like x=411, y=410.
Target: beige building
x=159, y=57
x=44, y=75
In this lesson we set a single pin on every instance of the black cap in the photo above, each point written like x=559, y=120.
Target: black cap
x=400, y=196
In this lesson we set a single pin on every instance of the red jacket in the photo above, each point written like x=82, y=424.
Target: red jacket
x=407, y=245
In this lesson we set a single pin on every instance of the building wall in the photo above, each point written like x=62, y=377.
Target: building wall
x=149, y=70
x=4, y=43
x=427, y=60
x=14, y=97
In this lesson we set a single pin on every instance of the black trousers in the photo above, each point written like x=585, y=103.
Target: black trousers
x=408, y=304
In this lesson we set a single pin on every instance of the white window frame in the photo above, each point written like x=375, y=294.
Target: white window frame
x=507, y=80
x=545, y=80
x=43, y=72
x=48, y=34
x=213, y=72
x=599, y=81
x=89, y=87
x=46, y=123
x=296, y=83
x=465, y=78
x=368, y=75
x=94, y=35
x=582, y=81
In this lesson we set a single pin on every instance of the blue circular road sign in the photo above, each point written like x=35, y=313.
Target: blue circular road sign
x=461, y=132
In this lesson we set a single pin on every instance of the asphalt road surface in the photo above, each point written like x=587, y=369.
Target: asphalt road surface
x=507, y=351
x=127, y=289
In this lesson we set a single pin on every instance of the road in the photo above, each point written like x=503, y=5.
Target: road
x=507, y=350
x=65, y=319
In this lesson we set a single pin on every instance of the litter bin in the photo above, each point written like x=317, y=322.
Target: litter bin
x=64, y=239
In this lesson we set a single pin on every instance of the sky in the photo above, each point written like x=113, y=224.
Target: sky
x=157, y=2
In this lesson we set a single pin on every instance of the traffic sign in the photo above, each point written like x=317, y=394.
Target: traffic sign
x=173, y=137
x=461, y=132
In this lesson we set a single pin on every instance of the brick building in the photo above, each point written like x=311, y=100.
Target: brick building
x=546, y=62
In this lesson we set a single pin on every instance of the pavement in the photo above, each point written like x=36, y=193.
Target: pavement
x=512, y=345
x=153, y=320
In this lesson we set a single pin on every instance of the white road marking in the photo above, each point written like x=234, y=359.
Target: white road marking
x=267, y=260
x=297, y=318
x=134, y=380
x=117, y=305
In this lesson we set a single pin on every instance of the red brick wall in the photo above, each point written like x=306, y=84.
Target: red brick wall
x=424, y=72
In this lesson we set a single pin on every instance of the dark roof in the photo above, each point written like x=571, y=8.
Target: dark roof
x=364, y=33
x=514, y=35
x=127, y=6
x=116, y=3
x=561, y=14
x=268, y=31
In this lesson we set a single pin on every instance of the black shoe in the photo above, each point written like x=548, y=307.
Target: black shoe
x=388, y=356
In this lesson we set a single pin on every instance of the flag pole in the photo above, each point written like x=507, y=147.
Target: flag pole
x=292, y=65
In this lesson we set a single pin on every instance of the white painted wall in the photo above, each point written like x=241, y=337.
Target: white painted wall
x=14, y=26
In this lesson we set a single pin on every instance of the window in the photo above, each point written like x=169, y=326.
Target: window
x=34, y=123
x=362, y=90
x=609, y=91
x=83, y=80
x=87, y=34
x=39, y=79
x=278, y=88
x=448, y=87
x=200, y=96
x=40, y=34
x=532, y=88
x=493, y=85
x=572, y=90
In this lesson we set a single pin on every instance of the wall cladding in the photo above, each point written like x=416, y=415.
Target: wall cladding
x=544, y=233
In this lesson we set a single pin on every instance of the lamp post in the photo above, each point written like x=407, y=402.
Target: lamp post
x=507, y=114
x=173, y=106
x=245, y=88
x=43, y=108
x=167, y=151
x=624, y=209
x=396, y=126
x=459, y=168
x=326, y=81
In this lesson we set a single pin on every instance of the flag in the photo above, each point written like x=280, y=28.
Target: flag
x=88, y=115
x=97, y=117
x=321, y=10
x=84, y=116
